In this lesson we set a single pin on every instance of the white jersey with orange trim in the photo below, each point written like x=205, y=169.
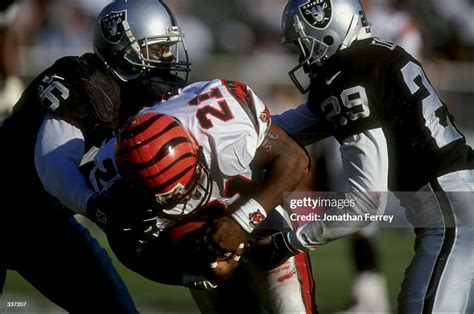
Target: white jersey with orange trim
x=229, y=121
x=226, y=118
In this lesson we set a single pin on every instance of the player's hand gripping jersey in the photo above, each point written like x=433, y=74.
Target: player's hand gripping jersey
x=227, y=120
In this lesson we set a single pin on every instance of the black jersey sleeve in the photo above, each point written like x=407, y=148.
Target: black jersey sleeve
x=423, y=137
x=80, y=91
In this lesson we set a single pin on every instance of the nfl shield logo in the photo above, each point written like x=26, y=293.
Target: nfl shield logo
x=317, y=13
x=112, y=25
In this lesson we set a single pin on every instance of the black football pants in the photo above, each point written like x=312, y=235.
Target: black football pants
x=64, y=262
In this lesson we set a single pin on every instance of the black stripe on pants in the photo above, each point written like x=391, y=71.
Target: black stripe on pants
x=446, y=248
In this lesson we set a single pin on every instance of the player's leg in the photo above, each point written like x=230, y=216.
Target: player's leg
x=290, y=287
x=369, y=290
x=417, y=275
x=65, y=263
x=236, y=295
x=307, y=284
x=286, y=289
x=363, y=250
x=440, y=276
x=451, y=286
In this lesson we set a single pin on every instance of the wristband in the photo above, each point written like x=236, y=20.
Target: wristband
x=249, y=215
x=97, y=210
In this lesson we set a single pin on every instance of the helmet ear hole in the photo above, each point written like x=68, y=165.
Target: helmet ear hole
x=328, y=40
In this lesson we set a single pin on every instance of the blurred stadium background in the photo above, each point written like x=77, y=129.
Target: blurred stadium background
x=240, y=40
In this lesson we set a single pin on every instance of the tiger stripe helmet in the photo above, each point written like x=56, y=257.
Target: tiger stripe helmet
x=154, y=151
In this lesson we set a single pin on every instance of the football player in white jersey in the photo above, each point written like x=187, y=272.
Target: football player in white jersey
x=216, y=168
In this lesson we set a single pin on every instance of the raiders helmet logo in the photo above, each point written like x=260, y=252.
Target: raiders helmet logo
x=112, y=25
x=317, y=13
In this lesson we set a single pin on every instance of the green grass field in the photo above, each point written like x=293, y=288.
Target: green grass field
x=332, y=265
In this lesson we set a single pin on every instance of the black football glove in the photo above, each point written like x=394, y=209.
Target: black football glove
x=98, y=210
x=146, y=230
x=198, y=282
x=120, y=207
x=269, y=249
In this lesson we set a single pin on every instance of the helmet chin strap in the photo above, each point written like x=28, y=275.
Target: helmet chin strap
x=355, y=32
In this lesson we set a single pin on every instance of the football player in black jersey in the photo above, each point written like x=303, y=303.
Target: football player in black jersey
x=67, y=110
x=395, y=134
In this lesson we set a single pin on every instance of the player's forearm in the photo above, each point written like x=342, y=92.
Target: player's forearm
x=286, y=164
x=322, y=231
x=365, y=162
x=58, y=152
x=284, y=175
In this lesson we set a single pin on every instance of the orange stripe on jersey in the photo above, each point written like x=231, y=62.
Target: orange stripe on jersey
x=241, y=93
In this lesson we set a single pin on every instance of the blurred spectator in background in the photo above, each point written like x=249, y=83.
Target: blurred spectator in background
x=199, y=36
x=263, y=16
x=11, y=85
x=50, y=29
x=448, y=27
x=230, y=29
x=459, y=15
x=394, y=23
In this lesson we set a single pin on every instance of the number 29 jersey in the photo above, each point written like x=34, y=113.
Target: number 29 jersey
x=376, y=84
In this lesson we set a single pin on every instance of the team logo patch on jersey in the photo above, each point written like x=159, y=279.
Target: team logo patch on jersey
x=317, y=13
x=256, y=218
x=265, y=115
x=111, y=25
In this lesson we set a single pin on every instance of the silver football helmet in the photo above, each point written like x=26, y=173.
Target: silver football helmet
x=320, y=28
x=135, y=37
